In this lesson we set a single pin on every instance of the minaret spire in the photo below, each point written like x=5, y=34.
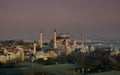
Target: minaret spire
x=40, y=39
x=54, y=39
x=82, y=39
x=34, y=47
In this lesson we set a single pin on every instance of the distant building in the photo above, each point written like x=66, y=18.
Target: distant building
x=115, y=52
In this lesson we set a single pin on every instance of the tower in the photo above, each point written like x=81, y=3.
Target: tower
x=82, y=39
x=40, y=40
x=54, y=39
x=34, y=46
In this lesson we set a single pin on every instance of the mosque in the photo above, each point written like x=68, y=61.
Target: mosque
x=62, y=40
x=61, y=43
x=57, y=45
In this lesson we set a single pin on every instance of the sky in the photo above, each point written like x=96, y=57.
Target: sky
x=24, y=19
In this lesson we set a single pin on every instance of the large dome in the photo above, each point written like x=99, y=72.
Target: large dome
x=63, y=36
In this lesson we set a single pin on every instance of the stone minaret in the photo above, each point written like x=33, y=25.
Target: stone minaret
x=34, y=46
x=40, y=40
x=54, y=39
x=82, y=39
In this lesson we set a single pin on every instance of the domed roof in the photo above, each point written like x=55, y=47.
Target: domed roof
x=63, y=36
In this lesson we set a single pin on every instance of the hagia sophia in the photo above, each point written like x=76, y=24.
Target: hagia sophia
x=61, y=43
x=61, y=40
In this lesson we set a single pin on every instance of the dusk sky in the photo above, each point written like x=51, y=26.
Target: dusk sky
x=23, y=19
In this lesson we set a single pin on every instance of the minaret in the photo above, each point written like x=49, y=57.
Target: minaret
x=54, y=39
x=82, y=40
x=34, y=46
x=40, y=40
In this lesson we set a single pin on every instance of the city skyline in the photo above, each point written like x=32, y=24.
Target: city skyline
x=23, y=19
